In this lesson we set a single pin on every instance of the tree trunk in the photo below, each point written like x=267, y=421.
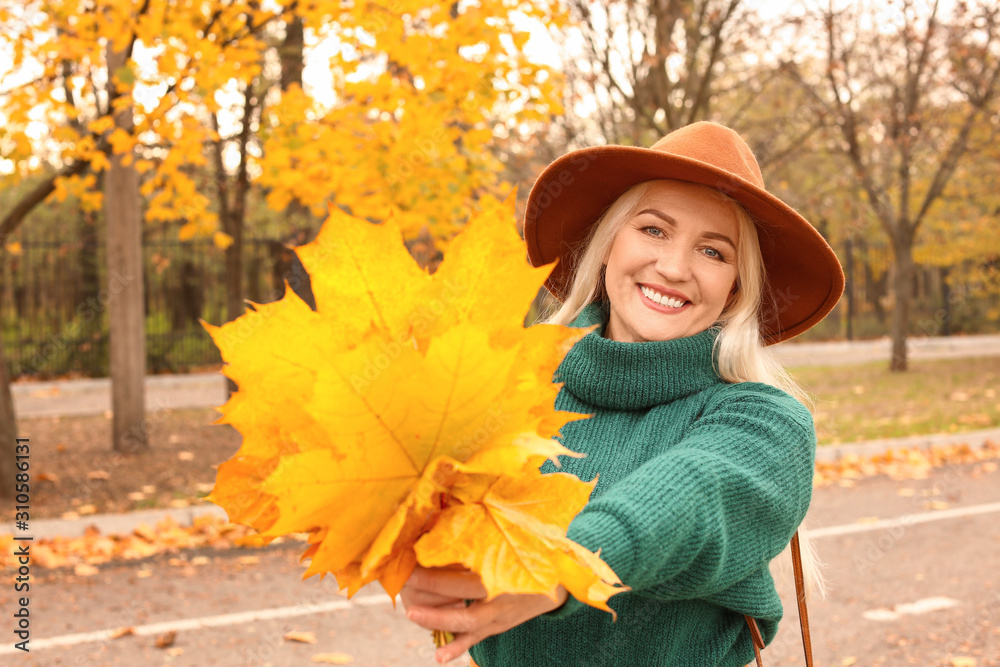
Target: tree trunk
x=292, y=63
x=125, y=305
x=292, y=54
x=88, y=292
x=849, y=287
x=8, y=427
x=945, y=302
x=903, y=290
x=232, y=212
x=235, y=221
x=234, y=266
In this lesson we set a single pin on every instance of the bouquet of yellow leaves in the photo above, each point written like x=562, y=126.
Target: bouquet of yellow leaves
x=405, y=419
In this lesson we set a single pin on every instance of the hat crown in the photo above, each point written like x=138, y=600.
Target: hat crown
x=714, y=145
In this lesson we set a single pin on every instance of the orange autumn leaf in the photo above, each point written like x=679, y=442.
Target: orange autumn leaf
x=520, y=523
x=335, y=658
x=403, y=405
x=93, y=547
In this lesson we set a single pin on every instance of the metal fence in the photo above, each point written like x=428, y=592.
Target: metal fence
x=54, y=294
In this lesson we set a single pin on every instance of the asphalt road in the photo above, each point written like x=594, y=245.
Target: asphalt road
x=923, y=589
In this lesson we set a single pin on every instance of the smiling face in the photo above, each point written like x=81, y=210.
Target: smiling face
x=672, y=266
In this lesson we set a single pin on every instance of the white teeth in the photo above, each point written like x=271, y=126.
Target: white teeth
x=660, y=299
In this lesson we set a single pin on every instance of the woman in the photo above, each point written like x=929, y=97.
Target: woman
x=689, y=267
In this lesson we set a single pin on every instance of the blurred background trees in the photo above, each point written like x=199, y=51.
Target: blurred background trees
x=207, y=107
x=901, y=87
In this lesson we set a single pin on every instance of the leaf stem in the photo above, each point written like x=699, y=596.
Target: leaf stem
x=442, y=637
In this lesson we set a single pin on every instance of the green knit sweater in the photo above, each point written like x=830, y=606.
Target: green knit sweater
x=701, y=483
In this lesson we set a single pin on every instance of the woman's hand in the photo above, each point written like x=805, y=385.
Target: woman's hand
x=434, y=598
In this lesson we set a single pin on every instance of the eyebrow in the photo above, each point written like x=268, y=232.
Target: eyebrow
x=673, y=223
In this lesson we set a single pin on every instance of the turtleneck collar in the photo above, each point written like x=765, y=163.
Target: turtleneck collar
x=634, y=376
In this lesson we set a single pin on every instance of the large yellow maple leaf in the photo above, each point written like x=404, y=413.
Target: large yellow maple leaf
x=405, y=419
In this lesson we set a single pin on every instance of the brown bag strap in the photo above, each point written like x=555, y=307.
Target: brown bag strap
x=800, y=594
x=758, y=640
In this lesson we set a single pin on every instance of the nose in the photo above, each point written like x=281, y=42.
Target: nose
x=674, y=263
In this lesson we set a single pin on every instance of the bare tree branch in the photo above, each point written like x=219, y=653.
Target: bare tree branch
x=957, y=148
x=13, y=218
x=911, y=104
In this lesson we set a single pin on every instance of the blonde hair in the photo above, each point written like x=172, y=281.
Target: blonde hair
x=739, y=351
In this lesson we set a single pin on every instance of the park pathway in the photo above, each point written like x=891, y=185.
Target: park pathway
x=75, y=398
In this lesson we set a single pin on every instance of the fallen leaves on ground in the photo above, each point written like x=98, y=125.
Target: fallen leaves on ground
x=405, y=419
x=92, y=548
x=903, y=464
x=303, y=637
x=333, y=658
x=962, y=661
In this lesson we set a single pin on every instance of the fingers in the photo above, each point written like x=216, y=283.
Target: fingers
x=469, y=625
x=435, y=599
x=423, y=598
x=481, y=620
x=455, y=620
x=458, y=584
x=457, y=648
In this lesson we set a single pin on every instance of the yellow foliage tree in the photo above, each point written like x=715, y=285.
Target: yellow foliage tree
x=420, y=89
x=416, y=93
x=416, y=90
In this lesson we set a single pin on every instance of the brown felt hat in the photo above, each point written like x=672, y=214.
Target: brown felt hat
x=803, y=273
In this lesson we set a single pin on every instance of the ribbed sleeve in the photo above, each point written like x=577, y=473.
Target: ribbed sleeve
x=703, y=515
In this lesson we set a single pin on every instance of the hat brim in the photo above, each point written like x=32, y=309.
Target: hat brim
x=804, y=276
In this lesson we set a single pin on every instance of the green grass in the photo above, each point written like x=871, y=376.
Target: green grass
x=147, y=503
x=866, y=402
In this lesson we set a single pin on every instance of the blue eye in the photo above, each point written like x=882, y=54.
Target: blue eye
x=714, y=254
x=651, y=229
